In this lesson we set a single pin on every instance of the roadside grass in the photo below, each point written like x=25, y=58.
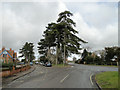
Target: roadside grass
x=102, y=65
x=60, y=65
x=107, y=79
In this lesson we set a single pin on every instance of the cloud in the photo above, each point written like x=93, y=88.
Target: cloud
x=97, y=37
x=96, y=14
x=0, y=25
x=26, y=21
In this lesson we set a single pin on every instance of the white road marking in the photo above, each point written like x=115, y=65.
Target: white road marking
x=91, y=78
x=64, y=78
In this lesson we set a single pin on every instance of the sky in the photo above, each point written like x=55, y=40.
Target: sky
x=96, y=22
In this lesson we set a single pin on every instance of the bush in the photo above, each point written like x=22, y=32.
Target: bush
x=89, y=59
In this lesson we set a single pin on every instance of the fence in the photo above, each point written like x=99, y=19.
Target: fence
x=14, y=71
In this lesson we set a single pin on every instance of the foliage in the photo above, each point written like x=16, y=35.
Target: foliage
x=89, y=59
x=61, y=35
x=67, y=34
x=105, y=56
x=43, y=58
x=84, y=54
x=98, y=60
x=23, y=60
x=111, y=52
x=27, y=52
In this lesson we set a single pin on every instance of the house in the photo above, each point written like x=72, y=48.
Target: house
x=7, y=56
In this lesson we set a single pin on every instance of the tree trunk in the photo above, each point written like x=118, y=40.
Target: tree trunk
x=117, y=63
x=29, y=60
x=56, y=54
x=64, y=50
x=48, y=53
x=111, y=63
x=64, y=56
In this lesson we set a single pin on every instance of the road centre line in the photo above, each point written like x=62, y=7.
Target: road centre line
x=91, y=78
x=64, y=78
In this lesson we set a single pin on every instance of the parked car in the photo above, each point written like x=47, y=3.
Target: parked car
x=48, y=64
x=20, y=63
x=36, y=62
x=41, y=63
x=31, y=63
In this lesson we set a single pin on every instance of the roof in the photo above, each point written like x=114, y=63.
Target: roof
x=7, y=53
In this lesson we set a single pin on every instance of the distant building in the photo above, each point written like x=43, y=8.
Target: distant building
x=7, y=56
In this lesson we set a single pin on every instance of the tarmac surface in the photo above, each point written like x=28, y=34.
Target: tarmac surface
x=75, y=76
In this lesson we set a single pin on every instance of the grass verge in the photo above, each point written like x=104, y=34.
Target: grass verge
x=107, y=79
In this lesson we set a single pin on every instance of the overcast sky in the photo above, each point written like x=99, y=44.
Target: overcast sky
x=96, y=22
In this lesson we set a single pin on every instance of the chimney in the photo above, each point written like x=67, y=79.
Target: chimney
x=3, y=48
x=10, y=49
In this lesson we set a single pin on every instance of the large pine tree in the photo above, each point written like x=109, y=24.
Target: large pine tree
x=70, y=41
x=62, y=35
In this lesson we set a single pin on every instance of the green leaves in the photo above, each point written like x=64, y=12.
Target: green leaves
x=62, y=35
x=64, y=15
x=27, y=51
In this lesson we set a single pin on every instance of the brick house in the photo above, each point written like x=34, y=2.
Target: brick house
x=7, y=55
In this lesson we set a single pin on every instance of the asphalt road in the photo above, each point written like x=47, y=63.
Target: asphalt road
x=76, y=76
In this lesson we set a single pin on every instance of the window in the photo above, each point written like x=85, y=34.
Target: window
x=4, y=55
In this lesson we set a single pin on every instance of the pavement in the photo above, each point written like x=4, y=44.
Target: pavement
x=7, y=80
x=76, y=76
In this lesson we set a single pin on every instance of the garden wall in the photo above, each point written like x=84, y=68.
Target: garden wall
x=14, y=71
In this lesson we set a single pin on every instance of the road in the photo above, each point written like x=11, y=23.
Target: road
x=76, y=76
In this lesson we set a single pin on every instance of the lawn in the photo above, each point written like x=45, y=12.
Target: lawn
x=107, y=79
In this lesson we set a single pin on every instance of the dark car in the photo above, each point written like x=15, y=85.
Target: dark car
x=48, y=64
x=20, y=63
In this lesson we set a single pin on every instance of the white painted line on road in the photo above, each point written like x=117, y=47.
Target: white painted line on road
x=91, y=78
x=64, y=78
